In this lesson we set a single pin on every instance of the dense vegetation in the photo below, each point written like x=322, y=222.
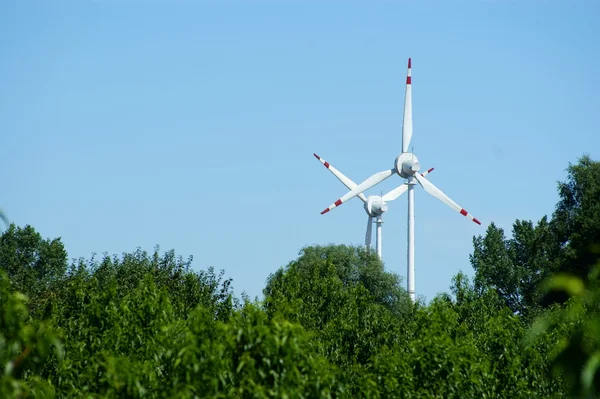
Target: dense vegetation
x=333, y=322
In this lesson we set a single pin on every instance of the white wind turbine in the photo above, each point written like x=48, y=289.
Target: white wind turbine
x=406, y=166
x=374, y=205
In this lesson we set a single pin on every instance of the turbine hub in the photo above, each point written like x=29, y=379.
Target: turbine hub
x=407, y=165
x=375, y=205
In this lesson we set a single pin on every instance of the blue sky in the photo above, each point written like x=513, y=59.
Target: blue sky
x=192, y=124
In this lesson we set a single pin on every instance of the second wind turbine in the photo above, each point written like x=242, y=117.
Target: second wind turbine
x=374, y=205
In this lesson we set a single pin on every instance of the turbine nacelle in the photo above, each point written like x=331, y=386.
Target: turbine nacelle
x=375, y=206
x=407, y=164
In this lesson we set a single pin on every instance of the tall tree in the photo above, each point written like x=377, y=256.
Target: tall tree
x=33, y=264
x=576, y=220
x=343, y=295
x=319, y=278
x=514, y=267
x=25, y=346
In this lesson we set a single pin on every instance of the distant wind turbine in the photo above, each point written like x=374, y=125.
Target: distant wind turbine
x=407, y=167
x=374, y=205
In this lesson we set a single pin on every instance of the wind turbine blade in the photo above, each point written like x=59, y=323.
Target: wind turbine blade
x=428, y=171
x=437, y=193
x=347, y=182
x=398, y=191
x=367, y=184
x=4, y=218
x=407, y=125
x=395, y=193
x=369, y=233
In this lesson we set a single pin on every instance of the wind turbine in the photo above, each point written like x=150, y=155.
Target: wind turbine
x=3, y=218
x=407, y=167
x=374, y=205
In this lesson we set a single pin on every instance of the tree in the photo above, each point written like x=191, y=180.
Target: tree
x=343, y=295
x=138, y=345
x=514, y=267
x=321, y=273
x=576, y=220
x=570, y=241
x=34, y=265
x=25, y=346
x=333, y=324
x=186, y=288
x=575, y=352
x=467, y=346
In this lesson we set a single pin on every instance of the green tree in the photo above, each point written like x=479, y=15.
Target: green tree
x=333, y=324
x=25, y=346
x=576, y=220
x=344, y=296
x=514, y=267
x=186, y=288
x=576, y=349
x=321, y=274
x=123, y=319
x=469, y=346
x=114, y=345
x=274, y=359
x=34, y=265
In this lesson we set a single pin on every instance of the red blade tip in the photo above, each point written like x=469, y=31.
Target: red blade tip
x=430, y=170
x=325, y=211
x=409, y=62
x=316, y=156
x=476, y=221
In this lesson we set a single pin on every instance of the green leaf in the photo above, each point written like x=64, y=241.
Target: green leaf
x=571, y=285
x=589, y=371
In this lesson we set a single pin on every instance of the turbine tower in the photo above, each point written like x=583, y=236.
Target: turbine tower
x=374, y=205
x=407, y=167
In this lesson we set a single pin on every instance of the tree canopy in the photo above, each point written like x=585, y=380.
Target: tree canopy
x=333, y=322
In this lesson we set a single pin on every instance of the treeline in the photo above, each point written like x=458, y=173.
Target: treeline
x=333, y=322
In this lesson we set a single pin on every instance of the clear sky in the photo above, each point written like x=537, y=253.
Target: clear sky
x=192, y=124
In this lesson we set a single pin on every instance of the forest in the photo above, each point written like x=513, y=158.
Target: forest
x=333, y=323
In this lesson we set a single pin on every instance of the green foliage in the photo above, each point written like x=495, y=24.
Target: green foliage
x=576, y=221
x=343, y=295
x=313, y=287
x=333, y=322
x=470, y=346
x=274, y=358
x=141, y=348
x=542, y=268
x=24, y=347
x=514, y=267
x=576, y=352
x=185, y=288
x=35, y=266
